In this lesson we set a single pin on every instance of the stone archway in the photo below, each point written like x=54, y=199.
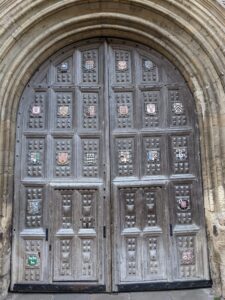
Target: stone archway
x=190, y=34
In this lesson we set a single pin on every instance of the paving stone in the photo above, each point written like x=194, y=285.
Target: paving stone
x=121, y=296
x=151, y=296
x=198, y=294
x=30, y=297
x=71, y=297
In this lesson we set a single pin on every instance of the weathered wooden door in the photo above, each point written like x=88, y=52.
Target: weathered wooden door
x=107, y=183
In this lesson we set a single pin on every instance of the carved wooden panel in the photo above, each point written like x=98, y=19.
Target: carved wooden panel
x=90, y=111
x=151, y=108
x=186, y=256
x=32, y=261
x=88, y=259
x=90, y=66
x=34, y=212
x=178, y=109
x=124, y=110
x=90, y=157
x=63, y=155
x=64, y=71
x=123, y=72
x=149, y=71
x=64, y=111
x=125, y=160
x=37, y=112
x=183, y=203
x=35, y=157
x=180, y=149
x=152, y=156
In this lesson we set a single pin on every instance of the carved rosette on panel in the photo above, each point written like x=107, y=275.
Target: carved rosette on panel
x=34, y=198
x=186, y=254
x=179, y=117
x=131, y=256
x=65, y=257
x=63, y=149
x=123, y=67
x=64, y=71
x=150, y=100
x=35, y=157
x=88, y=208
x=90, y=157
x=90, y=66
x=37, y=111
x=125, y=156
x=64, y=110
x=152, y=156
x=90, y=115
x=124, y=110
x=150, y=197
x=153, y=256
x=180, y=154
x=183, y=203
x=32, y=260
x=149, y=71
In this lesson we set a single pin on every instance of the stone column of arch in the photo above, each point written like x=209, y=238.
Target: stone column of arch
x=189, y=33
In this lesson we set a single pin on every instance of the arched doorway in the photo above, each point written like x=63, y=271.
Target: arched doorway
x=108, y=189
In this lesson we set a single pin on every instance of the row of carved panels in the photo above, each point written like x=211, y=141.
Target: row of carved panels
x=145, y=259
x=145, y=208
x=77, y=259
x=88, y=69
x=141, y=207
x=152, y=107
x=73, y=259
x=160, y=155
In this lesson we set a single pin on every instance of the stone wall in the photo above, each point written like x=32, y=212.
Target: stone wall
x=190, y=33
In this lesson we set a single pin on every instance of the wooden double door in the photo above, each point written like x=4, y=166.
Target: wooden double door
x=108, y=189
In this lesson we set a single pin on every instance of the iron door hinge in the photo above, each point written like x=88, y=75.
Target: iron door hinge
x=171, y=230
x=46, y=234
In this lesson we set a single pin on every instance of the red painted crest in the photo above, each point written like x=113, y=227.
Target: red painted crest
x=63, y=158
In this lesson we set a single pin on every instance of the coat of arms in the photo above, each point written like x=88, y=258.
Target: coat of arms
x=35, y=157
x=122, y=65
x=150, y=108
x=123, y=110
x=64, y=67
x=89, y=64
x=178, y=108
x=181, y=154
x=62, y=158
x=33, y=207
x=36, y=110
x=183, y=204
x=124, y=157
x=152, y=155
x=90, y=158
x=91, y=111
x=187, y=257
x=32, y=260
x=63, y=110
x=148, y=64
